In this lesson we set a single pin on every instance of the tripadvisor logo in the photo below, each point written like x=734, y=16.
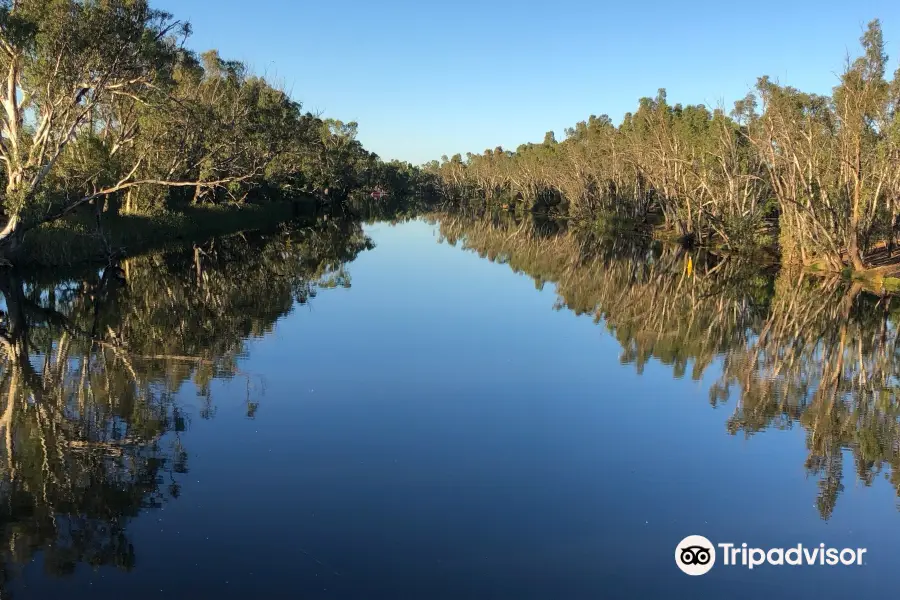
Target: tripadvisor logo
x=696, y=555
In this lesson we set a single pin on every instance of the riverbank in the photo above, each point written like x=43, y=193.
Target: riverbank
x=76, y=240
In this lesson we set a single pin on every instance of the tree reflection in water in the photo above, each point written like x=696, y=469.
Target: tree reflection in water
x=91, y=368
x=790, y=349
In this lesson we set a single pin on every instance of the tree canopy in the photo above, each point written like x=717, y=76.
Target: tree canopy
x=103, y=103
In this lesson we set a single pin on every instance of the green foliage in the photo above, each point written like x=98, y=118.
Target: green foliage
x=110, y=109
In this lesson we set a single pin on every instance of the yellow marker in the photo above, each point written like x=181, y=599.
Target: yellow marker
x=690, y=266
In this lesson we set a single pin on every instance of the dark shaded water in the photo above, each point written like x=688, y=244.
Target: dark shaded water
x=302, y=414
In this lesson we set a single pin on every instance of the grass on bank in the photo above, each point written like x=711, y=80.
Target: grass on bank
x=76, y=240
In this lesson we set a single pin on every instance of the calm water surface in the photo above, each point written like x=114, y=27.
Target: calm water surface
x=439, y=410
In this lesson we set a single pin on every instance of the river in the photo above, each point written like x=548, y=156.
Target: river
x=441, y=407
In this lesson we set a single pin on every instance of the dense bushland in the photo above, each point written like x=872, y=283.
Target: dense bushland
x=104, y=107
x=818, y=175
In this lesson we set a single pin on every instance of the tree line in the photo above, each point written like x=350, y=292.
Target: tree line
x=818, y=176
x=102, y=105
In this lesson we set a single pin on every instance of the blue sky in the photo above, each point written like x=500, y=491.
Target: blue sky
x=430, y=78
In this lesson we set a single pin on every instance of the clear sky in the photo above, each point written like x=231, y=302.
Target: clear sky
x=428, y=78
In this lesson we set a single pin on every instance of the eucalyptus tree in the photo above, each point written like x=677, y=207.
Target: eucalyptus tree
x=339, y=160
x=834, y=162
x=63, y=60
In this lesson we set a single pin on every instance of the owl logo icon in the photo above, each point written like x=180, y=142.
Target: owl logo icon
x=695, y=555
